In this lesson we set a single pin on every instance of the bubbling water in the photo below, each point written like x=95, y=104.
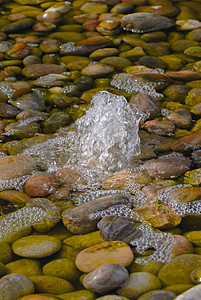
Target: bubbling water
x=100, y=142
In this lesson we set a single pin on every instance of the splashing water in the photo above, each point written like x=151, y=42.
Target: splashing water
x=102, y=141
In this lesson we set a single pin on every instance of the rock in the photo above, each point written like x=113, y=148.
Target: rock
x=37, y=70
x=184, y=75
x=15, y=285
x=182, y=246
x=176, y=92
x=167, y=10
x=14, y=166
x=78, y=219
x=105, y=52
x=158, y=294
x=193, y=177
x=178, y=288
x=119, y=63
x=8, y=111
x=18, y=26
x=118, y=229
x=105, y=278
x=51, y=284
x=27, y=267
x=36, y=246
x=152, y=267
x=194, y=237
x=159, y=215
x=152, y=62
x=193, y=293
x=196, y=276
x=85, y=294
x=57, y=119
x=62, y=268
x=70, y=177
x=5, y=253
x=90, y=7
x=84, y=241
x=168, y=166
x=109, y=27
x=194, y=51
x=50, y=46
x=182, y=45
x=97, y=70
x=2, y=269
x=188, y=24
x=180, y=118
x=156, y=49
x=146, y=104
x=116, y=252
x=21, y=130
x=193, y=97
x=41, y=185
x=179, y=270
x=159, y=127
x=112, y=297
x=188, y=143
x=145, y=22
x=194, y=35
x=138, y=284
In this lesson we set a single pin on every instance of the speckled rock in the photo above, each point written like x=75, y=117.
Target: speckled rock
x=63, y=268
x=168, y=166
x=106, y=278
x=51, y=284
x=8, y=111
x=164, y=127
x=36, y=246
x=108, y=252
x=27, y=267
x=138, y=284
x=145, y=22
x=14, y=286
x=180, y=118
x=15, y=166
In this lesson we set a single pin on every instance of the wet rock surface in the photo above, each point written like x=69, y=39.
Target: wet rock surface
x=121, y=166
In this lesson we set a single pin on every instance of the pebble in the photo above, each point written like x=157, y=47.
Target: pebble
x=159, y=127
x=15, y=285
x=146, y=104
x=78, y=219
x=182, y=245
x=5, y=253
x=158, y=295
x=18, y=26
x=27, y=267
x=116, y=252
x=39, y=297
x=192, y=293
x=8, y=111
x=36, y=246
x=145, y=22
x=14, y=166
x=37, y=70
x=188, y=143
x=180, y=118
x=139, y=283
x=105, y=278
x=168, y=166
x=40, y=185
x=97, y=70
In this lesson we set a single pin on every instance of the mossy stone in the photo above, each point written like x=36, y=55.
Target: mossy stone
x=182, y=45
x=71, y=28
x=193, y=97
x=193, y=177
x=194, y=35
x=194, y=84
x=156, y=36
x=2, y=269
x=178, y=288
x=152, y=62
x=78, y=295
x=179, y=270
x=36, y=246
x=194, y=237
x=177, y=92
x=173, y=61
x=18, y=131
x=51, y=284
x=133, y=54
x=63, y=268
x=84, y=241
x=156, y=49
x=152, y=267
x=65, y=37
x=27, y=267
x=119, y=63
x=5, y=253
x=194, y=51
x=56, y=120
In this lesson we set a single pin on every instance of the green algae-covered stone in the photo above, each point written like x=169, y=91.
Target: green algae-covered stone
x=194, y=237
x=108, y=252
x=119, y=63
x=5, y=253
x=78, y=295
x=58, y=119
x=152, y=267
x=178, y=288
x=27, y=267
x=36, y=246
x=65, y=37
x=179, y=270
x=2, y=269
x=63, y=268
x=17, y=198
x=84, y=241
x=177, y=92
x=18, y=131
x=138, y=284
x=173, y=61
x=193, y=177
x=194, y=51
x=51, y=284
x=194, y=96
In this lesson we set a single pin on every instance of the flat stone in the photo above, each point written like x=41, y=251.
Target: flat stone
x=78, y=219
x=165, y=128
x=168, y=166
x=145, y=22
x=8, y=111
x=37, y=70
x=97, y=70
x=105, y=278
x=15, y=285
x=14, y=166
x=40, y=297
x=5, y=253
x=41, y=185
x=18, y=26
x=188, y=143
x=194, y=237
x=194, y=96
x=158, y=295
x=139, y=283
x=180, y=118
x=27, y=267
x=36, y=246
x=116, y=252
x=192, y=293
